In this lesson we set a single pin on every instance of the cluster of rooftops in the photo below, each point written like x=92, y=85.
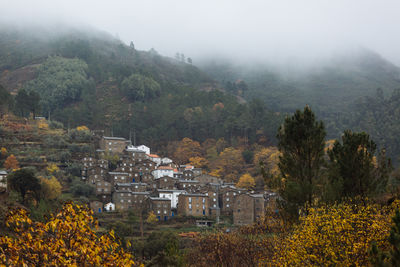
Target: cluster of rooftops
x=144, y=182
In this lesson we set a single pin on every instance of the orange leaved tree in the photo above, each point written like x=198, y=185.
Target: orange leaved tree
x=11, y=163
x=67, y=239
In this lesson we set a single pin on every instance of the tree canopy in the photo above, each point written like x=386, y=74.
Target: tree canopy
x=68, y=238
x=59, y=82
x=301, y=142
x=24, y=181
x=138, y=87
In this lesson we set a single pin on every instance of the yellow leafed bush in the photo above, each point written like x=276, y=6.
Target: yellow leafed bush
x=67, y=239
x=82, y=128
x=338, y=235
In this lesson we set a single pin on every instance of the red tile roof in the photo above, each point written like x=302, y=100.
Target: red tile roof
x=153, y=155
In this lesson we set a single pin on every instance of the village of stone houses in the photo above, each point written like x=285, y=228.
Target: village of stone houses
x=146, y=183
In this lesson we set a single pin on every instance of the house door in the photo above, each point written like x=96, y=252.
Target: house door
x=99, y=210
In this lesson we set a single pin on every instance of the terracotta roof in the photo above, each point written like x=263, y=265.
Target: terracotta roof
x=165, y=168
x=152, y=155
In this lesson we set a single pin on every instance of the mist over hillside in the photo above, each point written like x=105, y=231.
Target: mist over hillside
x=327, y=84
x=334, y=86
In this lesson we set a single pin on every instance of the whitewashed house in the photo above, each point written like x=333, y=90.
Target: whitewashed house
x=3, y=180
x=163, y=171
x=143, y=148
x=155, y=158
x=172, y=195
x=109, y=206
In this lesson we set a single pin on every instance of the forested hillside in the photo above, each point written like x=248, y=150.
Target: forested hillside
x=341, y=90
x=90, y=78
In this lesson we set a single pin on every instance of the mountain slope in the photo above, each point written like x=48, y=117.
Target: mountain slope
x=185, y=102
x=328, y=86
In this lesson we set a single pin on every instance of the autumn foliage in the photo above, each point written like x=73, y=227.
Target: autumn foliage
x=67, y=239
x=246, y=181
x=338, y=235
x=50, y=188
x=11, y=163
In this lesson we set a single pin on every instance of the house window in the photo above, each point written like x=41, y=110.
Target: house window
x=204, y=200
x=122, y=194
x=165, y=212
x=214, y=206
x=214, y=194
x=190, y=199
x=227, y=199
x=136, y=186
x=129, y=200
x=122, y=201
x=190, y=206
x=239, y=210
x=234, y=194
x=214, y=199
x=227, y=205
x=158, y=212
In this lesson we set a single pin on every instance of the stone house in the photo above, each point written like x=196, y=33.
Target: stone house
x=132, y=187
x=248, y=208
x=226, y=198
x=119, y=177
x=212, y=194
x=189, y=185
x=125, y=200
x=161, y=207
x=142, y=177
x=114, y=145
x=207, y=179
x=178, y=174
x=166, y=182
x=187, y=174
x=96, y=206
x=88, y=162
x=102, y=163
x=135, y=154
x=197, y=171
x=92, y=174
x=193, y=204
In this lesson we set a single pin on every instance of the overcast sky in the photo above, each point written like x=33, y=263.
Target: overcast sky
x=246, y=28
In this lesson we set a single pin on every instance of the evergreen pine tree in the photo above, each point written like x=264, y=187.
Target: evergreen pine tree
x=301, y=142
